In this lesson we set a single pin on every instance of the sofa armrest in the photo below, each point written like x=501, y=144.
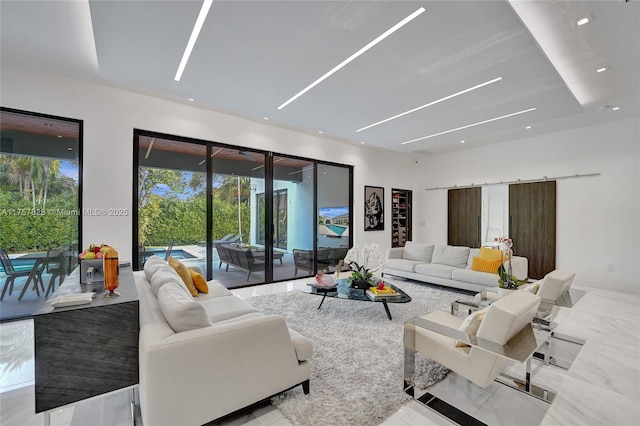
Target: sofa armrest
x=221, y=368
x=394, y=253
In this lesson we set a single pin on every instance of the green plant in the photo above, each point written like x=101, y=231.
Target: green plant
x=360, y=262
x=506, y=278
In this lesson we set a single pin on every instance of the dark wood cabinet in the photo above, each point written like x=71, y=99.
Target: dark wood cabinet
x=86, y=350
x=464, y=210
x=532, y=225
x=400, y=217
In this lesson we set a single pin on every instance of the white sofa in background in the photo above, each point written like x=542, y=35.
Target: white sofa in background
x=205, y=357
x=445, y=265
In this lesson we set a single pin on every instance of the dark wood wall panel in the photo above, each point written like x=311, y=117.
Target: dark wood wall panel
x=532, y=213
x=465, y=206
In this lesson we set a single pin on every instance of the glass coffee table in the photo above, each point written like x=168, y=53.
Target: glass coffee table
x=342, y=290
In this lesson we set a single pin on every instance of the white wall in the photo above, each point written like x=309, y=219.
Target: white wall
x=110, y=115
x=597, y=217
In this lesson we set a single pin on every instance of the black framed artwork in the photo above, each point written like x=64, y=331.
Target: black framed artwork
x=373, y=208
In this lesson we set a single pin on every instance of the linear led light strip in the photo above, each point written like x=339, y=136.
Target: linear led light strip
x=262, y=165
x=462, y=92
x=151, y=142
x=204, y=10
x=469, y=125
x=377, y=40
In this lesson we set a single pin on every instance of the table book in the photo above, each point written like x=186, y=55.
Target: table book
x=374, y=293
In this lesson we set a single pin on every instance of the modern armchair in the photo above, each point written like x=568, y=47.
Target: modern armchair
x=486, y=354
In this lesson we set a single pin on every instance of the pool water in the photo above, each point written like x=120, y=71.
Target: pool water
x=175, y=253
x=338, y=229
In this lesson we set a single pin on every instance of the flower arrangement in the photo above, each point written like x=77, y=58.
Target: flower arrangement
x=361, y=263
x=506, y=279
x=94, y=251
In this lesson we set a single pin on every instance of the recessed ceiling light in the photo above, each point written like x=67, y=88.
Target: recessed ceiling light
x=433, y=103
x=60, y=136
x=266, y=118
x=319, y=131
x=469, y=125
x=601, y=69
x=461, y=141
x=583, y=21
x=377, y=40
x=69, y=149
x=615, y=108
x=361, y=142
x=528, y=127
x=191, y=100
x=204, y=10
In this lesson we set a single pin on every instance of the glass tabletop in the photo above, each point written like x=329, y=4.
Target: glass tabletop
x=342, y=290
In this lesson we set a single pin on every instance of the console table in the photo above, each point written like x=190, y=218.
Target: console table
x=86, y=350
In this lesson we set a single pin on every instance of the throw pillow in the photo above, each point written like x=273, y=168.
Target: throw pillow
x=181, y=312
x=199, y=281
x=471, y=324
x=489, y=253
x=486, y=265
x=184, y=273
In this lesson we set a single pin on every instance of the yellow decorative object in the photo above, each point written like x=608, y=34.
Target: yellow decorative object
x=199, y=281
x=489, y=253
x=184, y=273
x=486, y=265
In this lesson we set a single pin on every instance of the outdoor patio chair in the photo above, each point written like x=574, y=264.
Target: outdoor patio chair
x=56, y=266
x=12, y=274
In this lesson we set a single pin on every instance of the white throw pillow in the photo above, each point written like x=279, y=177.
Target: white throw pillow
x=471, y=324
x=163, y=275
x=417, y=251
x=180, y=310
x=456, y=256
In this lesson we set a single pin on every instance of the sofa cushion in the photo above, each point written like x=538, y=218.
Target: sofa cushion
x=486, y=265
x=152, y=265
x=180, y=310
x=162, y=276
x=226, y=307
x=199, y=281
x=402, y=264
x=475, y=277
x=417, y=251
x=185, y=275
x=435, y=270
x=451, y=255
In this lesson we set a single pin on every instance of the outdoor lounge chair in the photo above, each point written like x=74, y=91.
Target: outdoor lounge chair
x=12, y=274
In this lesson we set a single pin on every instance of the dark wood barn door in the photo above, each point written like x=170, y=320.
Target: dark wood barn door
x=532, y=213
x=465, y=207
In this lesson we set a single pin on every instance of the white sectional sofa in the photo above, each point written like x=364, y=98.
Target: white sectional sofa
x=445, y=265
x=205, y=357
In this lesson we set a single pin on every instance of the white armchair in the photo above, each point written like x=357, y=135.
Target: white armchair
x=486, y=355
x=554, y=284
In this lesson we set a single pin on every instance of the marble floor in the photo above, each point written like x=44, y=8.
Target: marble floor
x=602, y=387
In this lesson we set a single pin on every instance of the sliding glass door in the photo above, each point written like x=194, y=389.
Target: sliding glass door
x=171, y=200
x=243, y=216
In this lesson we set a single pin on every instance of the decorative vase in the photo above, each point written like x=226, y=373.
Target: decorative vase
x=502, y=292
x=110, y=268
x=361, y=284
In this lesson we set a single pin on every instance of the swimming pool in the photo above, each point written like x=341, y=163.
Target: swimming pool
x=176, y=253
x=20, y=265
x=338, y=229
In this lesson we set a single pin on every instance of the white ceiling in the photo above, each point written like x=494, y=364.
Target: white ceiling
x=252, y=56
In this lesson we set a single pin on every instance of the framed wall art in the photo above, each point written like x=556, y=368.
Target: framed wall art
x=373, y=208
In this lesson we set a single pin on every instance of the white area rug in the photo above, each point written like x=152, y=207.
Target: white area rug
x=357, y=365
